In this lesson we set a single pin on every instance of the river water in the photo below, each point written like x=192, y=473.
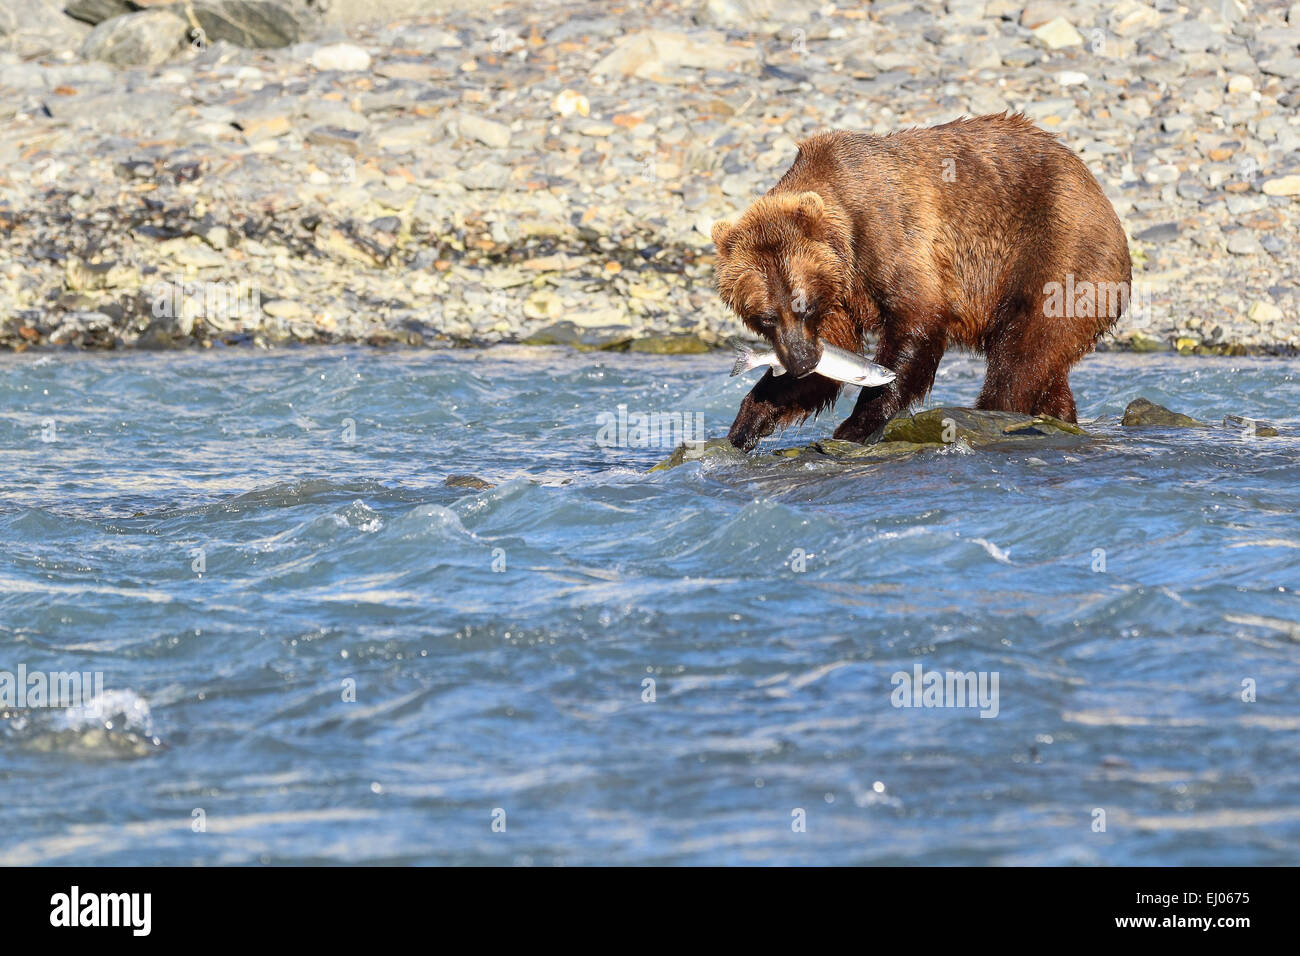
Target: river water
x=313, y=650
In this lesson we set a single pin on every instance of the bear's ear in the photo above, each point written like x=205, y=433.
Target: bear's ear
x=721, y=234
x=810, y=207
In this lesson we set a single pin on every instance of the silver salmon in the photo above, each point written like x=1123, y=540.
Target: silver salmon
x=836, y=363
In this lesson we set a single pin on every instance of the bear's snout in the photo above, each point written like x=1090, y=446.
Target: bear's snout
x=797, y=349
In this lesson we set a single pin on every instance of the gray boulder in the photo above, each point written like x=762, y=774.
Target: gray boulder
x=249, y=23
x=96, y=12
x=1193, y=36
x=39, y=27
x=146, y=38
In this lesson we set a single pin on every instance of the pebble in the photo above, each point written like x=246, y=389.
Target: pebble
x=1161, y=173
x=340, y=56
x=1264, y=311
x=1193, y=36
x=1058, y=33
x=1244, y=243
x=486, y=131
x=567, y=102
x=1282, y=186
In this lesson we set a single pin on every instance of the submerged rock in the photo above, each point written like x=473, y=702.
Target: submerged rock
x=1250, y=426
x=848, y=450
x=110, y=725
x=903, y=437
x=697, y=451
x=1142, y=413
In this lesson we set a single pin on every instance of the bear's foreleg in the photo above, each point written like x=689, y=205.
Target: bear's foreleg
x=913, y=353
x=778, y=401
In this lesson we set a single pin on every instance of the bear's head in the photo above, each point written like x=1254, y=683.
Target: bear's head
x=782, y=269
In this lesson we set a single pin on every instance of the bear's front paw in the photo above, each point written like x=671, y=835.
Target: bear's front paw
x=752, y=424
x=744, y=438
x=863, y=433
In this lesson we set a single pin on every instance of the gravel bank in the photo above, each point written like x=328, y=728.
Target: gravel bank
x=546, y=172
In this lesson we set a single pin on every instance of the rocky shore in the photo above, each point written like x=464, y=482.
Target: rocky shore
x=268, y=172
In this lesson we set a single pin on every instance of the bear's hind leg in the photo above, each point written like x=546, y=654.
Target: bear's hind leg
x=1059, y=400
x=1020, y=382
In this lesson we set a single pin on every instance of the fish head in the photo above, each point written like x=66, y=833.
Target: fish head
x=873, y=377
x=780, y=272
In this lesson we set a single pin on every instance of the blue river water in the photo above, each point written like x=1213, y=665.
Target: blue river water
x=314, y=650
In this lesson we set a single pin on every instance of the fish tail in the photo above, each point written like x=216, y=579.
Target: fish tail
x=744, y=355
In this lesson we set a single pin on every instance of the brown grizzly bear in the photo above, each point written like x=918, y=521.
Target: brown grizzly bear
x=985, y=233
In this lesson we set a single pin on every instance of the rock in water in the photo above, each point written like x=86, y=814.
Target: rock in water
x=905, y=435
x=1250, y=427
x=468, y=481
x=250, y=23
x=943, y=426
x=146, y=38
x=1142, y=412
x=697, y=451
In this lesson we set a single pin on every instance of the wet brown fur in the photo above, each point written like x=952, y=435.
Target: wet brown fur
x=875, y=238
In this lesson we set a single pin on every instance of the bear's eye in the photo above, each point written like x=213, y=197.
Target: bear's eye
x=764, y=320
